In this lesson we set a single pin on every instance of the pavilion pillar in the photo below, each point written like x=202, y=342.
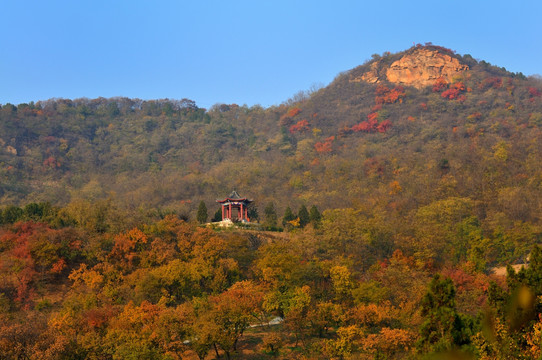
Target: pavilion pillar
x=241, y=212
x=246, y=214
x=222, y=212
x=229, y=212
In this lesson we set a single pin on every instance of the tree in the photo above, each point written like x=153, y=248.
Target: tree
x=288, y=216
x=202, y=213
x=253, y=213
x=217, y=216
x=443, y=328
x=304, y=216
x=270, y=216
x=232, y=312
x=314, y=216
x=12, y=214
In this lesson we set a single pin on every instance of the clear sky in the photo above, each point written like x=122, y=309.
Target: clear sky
x=244, y=52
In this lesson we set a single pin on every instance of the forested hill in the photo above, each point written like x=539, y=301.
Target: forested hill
x=425, y=166
x=398, y=133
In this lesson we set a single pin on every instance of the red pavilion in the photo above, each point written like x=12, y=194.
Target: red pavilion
x=235, y=207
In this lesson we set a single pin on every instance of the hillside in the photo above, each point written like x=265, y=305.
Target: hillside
x=433, y=122
x=421, y=170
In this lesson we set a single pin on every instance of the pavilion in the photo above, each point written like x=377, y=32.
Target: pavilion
x=235, y=207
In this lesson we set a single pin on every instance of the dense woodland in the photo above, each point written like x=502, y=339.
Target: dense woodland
x=390, y=207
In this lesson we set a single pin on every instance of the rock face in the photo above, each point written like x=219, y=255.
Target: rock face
x=419, y=68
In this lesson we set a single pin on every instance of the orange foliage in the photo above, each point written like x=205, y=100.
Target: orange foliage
x=300, y=126
x=286, y=119
x=127, y=246
x=395, y=187
x=440, y=84
x=372, y=125
x=455, y=92
x=30, y=254
x=389, y=341
x=384, y=95
x=98, y=317
x=383, y=126
x=293, y=112
x=58, y=266
x=325, y=146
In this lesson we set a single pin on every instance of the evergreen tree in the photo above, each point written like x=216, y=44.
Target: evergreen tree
x=314, y=216
x=288, y=216
x=217, y=216
x=270, y=216
x=253, y=213
x=443, y=329
x=202, y=213
x=304, y=217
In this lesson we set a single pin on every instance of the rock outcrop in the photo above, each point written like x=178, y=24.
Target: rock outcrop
x=419, y=68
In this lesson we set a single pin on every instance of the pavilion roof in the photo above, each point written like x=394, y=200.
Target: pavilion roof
x=234, y=196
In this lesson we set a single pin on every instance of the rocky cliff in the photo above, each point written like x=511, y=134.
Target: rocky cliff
x=419, y=68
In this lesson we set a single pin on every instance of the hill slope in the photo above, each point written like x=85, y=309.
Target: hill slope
x=426, y=165
x=401, y=131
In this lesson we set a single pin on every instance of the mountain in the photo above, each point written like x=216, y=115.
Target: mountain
x=424, y=169
x=402, y=131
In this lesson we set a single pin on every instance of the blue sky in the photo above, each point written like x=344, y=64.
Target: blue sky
x=244, y=52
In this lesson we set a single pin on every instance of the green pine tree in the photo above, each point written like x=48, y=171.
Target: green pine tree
x=443, y=329
x=270, y=216
x=253, y=213
x=202, y=213
x=304, y=217
x=314, y=216
x=217, y=216
x=288, y=216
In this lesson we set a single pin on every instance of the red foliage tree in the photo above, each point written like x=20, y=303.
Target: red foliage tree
x=34, y=253
x=293, y=112
x=372, y=125
x=287, y=119
x=325, y=146
x=491, y=82
x=384, y=95
x=455, y=92
x=440, y=84
x=383, y=126
x=534, y=92
x=300, y=126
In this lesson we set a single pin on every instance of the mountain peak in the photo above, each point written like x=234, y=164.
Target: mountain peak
x=419, y=67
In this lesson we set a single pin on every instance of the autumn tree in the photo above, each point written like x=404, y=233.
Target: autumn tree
x=233, y=311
